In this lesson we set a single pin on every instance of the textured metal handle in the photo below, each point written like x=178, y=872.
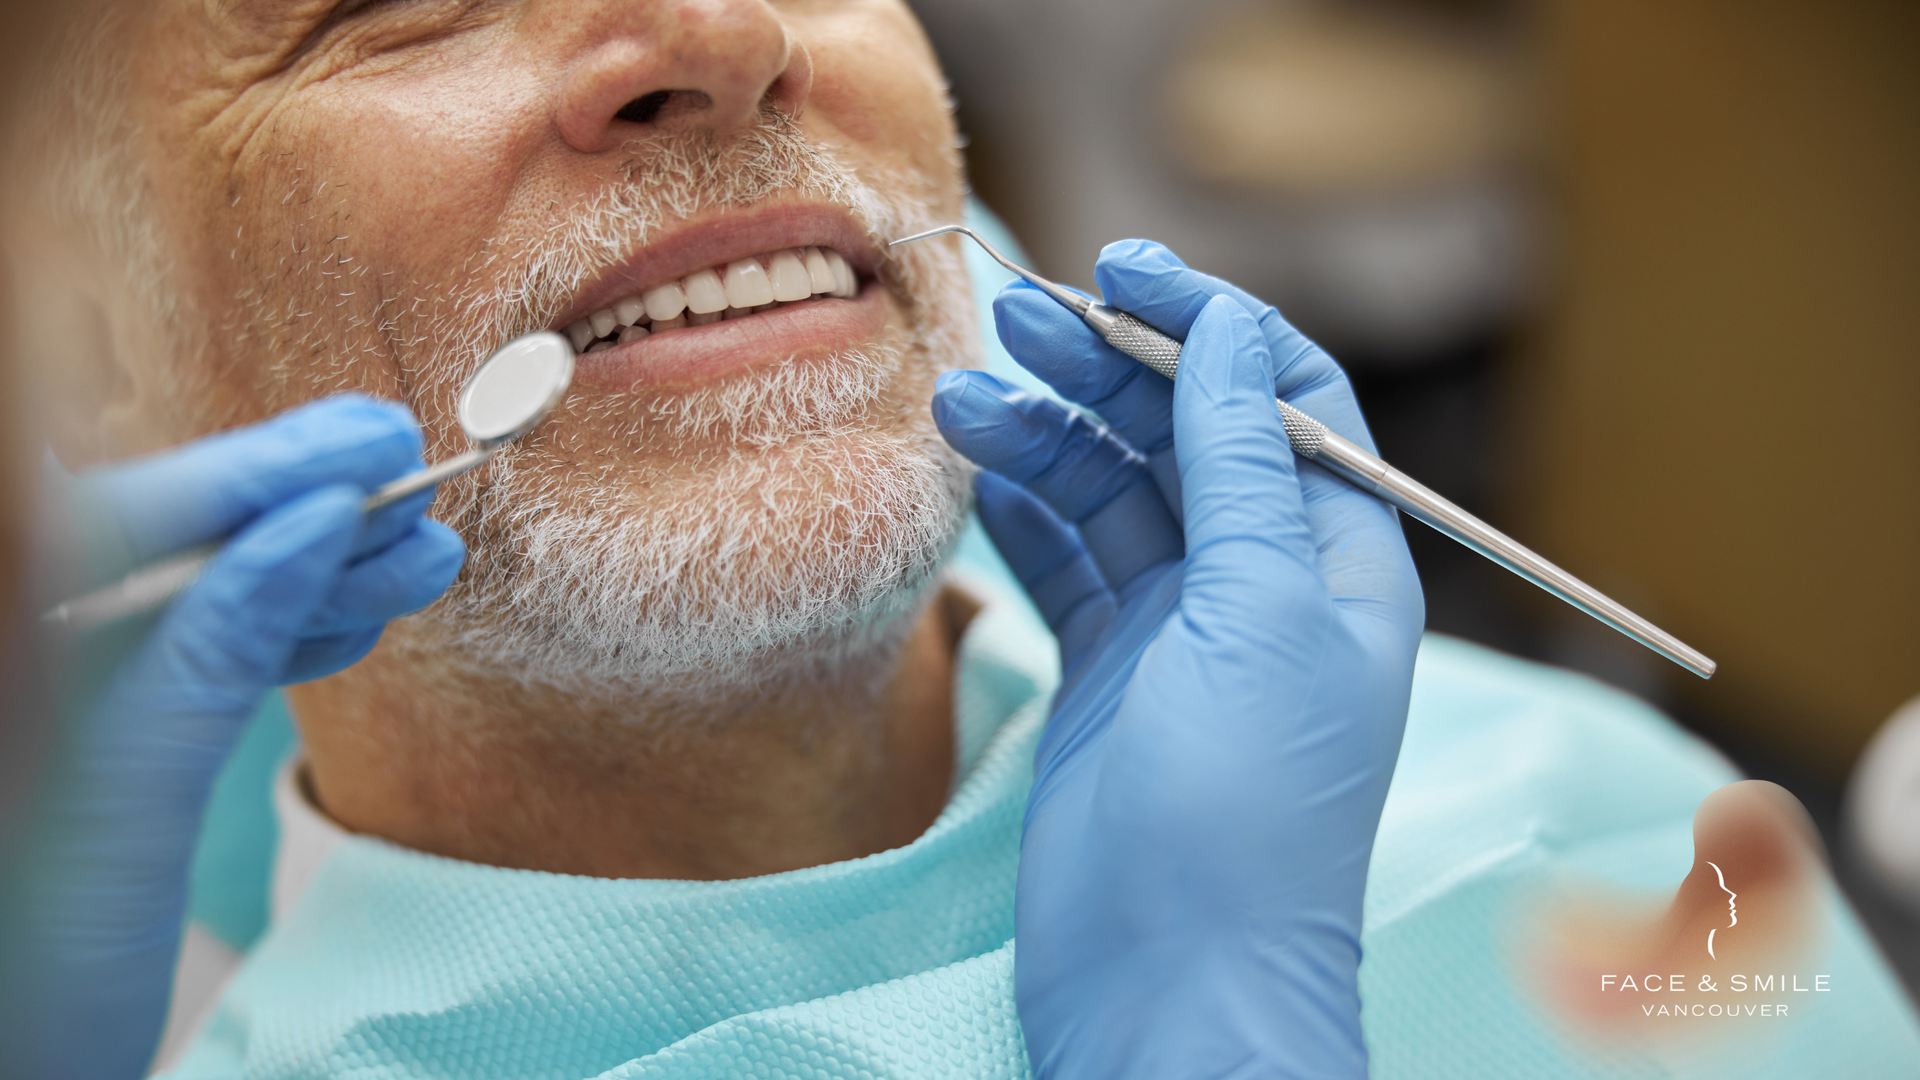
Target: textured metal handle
x=1136, y=339
x=1308, y=436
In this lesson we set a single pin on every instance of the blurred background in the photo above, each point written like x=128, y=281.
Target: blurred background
x=1638, y=281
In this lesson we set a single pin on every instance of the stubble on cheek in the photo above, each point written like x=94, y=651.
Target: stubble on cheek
x=310, y=259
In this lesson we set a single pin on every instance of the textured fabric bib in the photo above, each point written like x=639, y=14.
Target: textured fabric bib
x=398, y=964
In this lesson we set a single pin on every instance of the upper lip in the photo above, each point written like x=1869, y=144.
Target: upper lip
x=723, y=238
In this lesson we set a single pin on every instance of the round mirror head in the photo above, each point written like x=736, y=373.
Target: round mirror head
x=516, y=387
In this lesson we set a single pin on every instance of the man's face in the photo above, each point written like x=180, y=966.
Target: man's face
x=372, y=195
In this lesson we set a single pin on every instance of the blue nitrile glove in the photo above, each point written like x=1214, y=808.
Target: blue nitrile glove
x=1237, y=638
x=302, y=589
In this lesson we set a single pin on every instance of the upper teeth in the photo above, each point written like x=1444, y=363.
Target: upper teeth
x=709, y=295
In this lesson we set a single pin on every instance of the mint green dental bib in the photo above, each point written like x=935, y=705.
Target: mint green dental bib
x=396, y=964
x=400, y=964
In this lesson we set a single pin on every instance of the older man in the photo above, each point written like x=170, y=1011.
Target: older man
x=701, y=639
x=703, y=767
x=728, y=518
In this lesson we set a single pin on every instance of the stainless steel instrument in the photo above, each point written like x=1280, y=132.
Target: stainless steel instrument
x=1315, y=442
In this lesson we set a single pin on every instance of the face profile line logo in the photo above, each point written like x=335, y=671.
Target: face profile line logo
x=1733, y=913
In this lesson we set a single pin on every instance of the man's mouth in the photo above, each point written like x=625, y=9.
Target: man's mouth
x=733, y=290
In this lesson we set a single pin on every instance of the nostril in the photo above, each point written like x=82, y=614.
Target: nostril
x=643, y=109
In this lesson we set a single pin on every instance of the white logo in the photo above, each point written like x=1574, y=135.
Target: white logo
x=1732, y=912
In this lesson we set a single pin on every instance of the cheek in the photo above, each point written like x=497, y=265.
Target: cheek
x=877, y=83
x=431, y=162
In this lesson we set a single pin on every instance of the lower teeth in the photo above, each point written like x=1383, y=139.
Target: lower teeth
x=624, y=335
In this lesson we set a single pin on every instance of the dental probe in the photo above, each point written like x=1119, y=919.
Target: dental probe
x=506, y=396
x=1314, y=441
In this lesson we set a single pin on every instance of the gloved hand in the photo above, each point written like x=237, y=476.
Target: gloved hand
x=1238, y=638
x=303, y=589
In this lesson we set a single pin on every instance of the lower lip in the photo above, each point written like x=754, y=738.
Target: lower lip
x=694, y=355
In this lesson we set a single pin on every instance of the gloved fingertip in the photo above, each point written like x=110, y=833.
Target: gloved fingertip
x=353, y=405
x=354, y=648
x=1224, y=327
x=358, y=401
x=1225, y=308
x=319, y=657
x=951, y=382
x=405, y=509
x=1021, y=311
x=448, y=552
x=1015, y=293
x=961, y=397
x=416, y=572
x=1128, y=270
x=1138, y=256
x=948, y=391
x=962, y=379
x=356, y=419
x=999, y=426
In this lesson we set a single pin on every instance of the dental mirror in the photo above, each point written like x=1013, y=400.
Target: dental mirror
x=505, y=397
x=516, y=388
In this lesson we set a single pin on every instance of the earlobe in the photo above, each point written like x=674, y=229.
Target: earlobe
x=76, y=335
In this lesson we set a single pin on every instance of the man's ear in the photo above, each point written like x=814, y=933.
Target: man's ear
x=88, y=353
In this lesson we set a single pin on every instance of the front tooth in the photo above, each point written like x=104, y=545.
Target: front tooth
x=818, y=272
x=790, y=278
x=661, y=326
x=630, y=311
x=703, y=318
x=747, y=284
x=705, y=294
x=603, y=323
x=581, y=334
x=632, y=333
x=598, y=345
x=665, y=302
x=843, y=283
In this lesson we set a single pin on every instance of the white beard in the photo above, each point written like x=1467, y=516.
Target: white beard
x=765, y=565
x=792, y=553
x=790, y=550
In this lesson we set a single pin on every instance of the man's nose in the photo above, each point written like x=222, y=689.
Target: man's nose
x=634, y=66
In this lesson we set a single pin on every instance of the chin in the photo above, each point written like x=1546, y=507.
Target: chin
x=792, y=549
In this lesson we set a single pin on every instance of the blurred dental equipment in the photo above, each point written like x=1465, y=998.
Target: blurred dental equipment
x=1313, y=441
x=506, y=396
x=1882, y=805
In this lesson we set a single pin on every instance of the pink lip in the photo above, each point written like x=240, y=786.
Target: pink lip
x=696, y=354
